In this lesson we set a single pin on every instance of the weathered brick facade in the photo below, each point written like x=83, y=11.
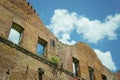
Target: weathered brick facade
x=21, y=62
x=117, y=75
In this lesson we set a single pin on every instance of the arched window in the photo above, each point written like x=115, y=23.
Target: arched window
x=40, y=73
x=104, y=77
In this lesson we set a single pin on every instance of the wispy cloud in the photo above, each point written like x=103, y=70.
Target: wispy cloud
x=106, y=59
x=64, y=22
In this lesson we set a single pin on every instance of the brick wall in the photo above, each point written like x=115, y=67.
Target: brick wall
x=21, y=62
x=117, y=75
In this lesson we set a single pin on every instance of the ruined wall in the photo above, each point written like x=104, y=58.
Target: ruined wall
x=117, y=75
x=13, y=11
x=17, y=63
x=21, y=61
x=14, y=61
x=87, y=58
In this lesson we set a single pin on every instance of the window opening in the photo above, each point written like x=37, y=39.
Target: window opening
x=40, y=73
x=104, y=77
x=91, y=73
x=76, y=67
x=41, y=47
x=52, y=42
x=15, y=33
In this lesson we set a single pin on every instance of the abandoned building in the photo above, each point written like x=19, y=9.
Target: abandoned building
x=117, y=75
x=29, y=51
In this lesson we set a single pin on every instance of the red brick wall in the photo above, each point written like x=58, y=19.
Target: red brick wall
x=117, y=75
x=16, y=62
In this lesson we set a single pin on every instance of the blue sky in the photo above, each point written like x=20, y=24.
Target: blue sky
x=96, y=22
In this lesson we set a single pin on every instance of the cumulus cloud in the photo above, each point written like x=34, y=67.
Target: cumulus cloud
x=95, y=30
x=65, y=39
x=106, y=59
x=63, y=23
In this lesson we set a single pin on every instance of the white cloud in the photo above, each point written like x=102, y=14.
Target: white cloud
x=65, y=39
x=106, y=59
x=94, y=30
x=64, y=22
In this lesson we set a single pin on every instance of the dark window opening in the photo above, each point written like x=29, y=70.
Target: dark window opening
x=52, y=42
x=76, y=67
x=104, y=77
x=91, y=73
x=40, y=73
x=15, y=33
x=41, y=47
